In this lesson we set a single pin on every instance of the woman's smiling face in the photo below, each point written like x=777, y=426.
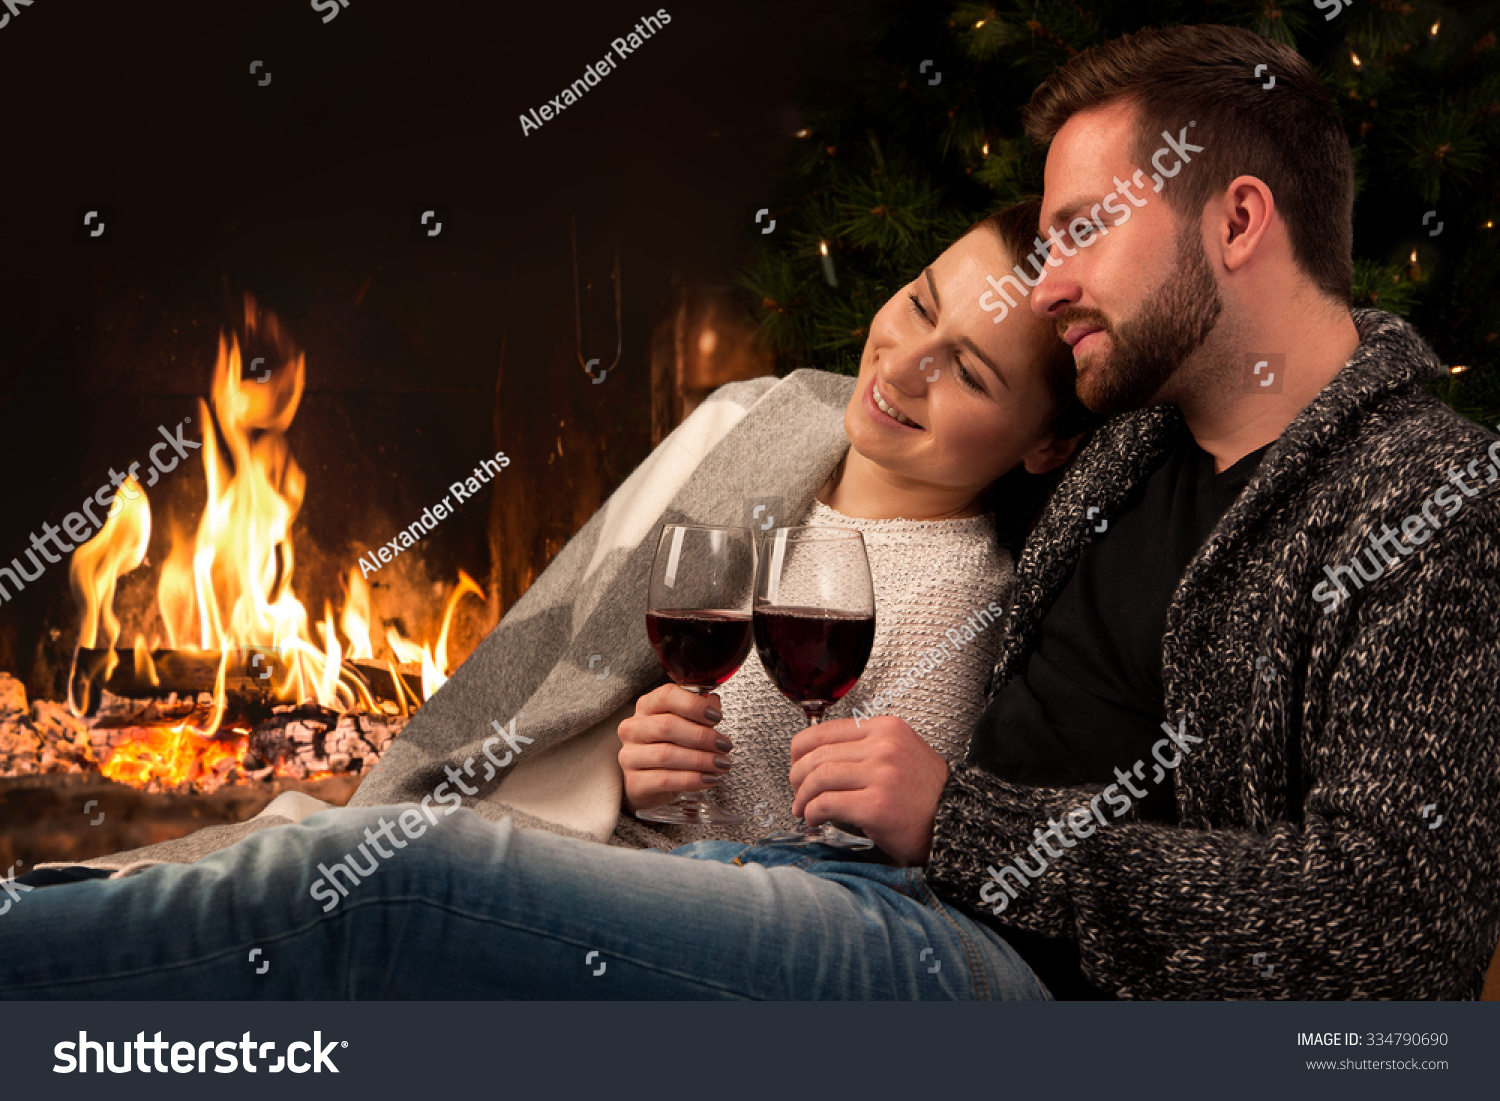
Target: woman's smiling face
x=947, y=397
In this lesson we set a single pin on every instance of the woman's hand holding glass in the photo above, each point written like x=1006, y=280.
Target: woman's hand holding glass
x=670, y=745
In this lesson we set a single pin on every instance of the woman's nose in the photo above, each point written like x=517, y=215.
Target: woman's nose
x=913, y=371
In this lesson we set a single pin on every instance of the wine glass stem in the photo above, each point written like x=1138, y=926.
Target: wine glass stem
x=695, y=796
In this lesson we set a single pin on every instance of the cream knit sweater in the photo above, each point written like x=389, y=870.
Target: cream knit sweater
x=932, y=655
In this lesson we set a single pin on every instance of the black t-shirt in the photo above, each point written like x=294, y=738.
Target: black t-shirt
x=1090, y=698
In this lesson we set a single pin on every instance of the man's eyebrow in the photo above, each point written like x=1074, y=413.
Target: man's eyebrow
x=1069, y=210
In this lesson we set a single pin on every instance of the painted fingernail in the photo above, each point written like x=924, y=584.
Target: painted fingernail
x=723, y=763
x=712, y=714
x=723, y=744
x=709, y=778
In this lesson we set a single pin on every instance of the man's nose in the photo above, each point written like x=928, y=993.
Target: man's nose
x=1056, y=293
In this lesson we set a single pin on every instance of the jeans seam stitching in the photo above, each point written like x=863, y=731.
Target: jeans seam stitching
x=976, y=969
x=347, y=911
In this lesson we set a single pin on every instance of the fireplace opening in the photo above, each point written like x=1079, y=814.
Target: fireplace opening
x=212, y=665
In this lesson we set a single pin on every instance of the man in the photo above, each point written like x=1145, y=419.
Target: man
x=1196, y=778
x=1324, y=703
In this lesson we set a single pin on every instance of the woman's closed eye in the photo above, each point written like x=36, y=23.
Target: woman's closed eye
x=959, y=369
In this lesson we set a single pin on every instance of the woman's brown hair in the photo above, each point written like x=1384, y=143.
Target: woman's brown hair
x=1016, y=498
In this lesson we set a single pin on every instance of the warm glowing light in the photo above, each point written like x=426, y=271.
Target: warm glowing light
x=465, y=585
x=97, y=565
x=356, y=619
x=803, y=133
x=1434, y=28
x=227, y=587
x=823, y=247
x=981, y=23
x=708, y=340
x=434, y=664
x=145, y=668
x=985, y=150
x=172, y=755
x=1355, y=58
x=1457, y=370
x=1413, y=256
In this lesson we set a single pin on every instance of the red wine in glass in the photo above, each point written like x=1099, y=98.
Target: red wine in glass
x=814, y=628
x=700, y=648
x=814, y=655
x=698, y=620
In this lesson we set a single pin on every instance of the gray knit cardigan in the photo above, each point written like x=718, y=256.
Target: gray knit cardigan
x=1339, y=823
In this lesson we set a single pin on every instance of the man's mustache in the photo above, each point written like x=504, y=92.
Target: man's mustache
x=1082, y=317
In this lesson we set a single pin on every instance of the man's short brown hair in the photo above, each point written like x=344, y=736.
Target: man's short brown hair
x=1289, y=136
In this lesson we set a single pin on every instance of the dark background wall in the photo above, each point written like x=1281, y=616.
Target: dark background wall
x=424, y=354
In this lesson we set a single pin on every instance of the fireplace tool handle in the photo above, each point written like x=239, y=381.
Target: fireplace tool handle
x=578, y=307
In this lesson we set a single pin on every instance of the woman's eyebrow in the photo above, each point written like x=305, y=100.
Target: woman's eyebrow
x=932, y=286
x=965, y=341
x=974, y=348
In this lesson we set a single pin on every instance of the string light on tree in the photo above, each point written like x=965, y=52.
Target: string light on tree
x=828, y=272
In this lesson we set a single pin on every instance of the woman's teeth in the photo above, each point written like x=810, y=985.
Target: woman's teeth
x=889, y=410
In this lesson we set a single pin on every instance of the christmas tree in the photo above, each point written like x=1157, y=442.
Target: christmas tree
x=927, y=138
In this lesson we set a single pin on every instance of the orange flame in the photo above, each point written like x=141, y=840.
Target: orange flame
x=434, y=666
x=172, y=755
x=228, y=586
x=119, y=548
x=356, y=619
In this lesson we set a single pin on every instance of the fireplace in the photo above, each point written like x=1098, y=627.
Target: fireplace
x=606, y=239
x=204, y=676
x=215, y=657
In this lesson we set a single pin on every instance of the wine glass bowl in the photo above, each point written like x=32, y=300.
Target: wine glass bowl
x=698, y=621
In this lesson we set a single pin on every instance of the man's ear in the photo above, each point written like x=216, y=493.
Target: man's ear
x=1051, y=453
x=1245, y=212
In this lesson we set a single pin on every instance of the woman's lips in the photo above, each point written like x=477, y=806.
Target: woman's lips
x=879, y=416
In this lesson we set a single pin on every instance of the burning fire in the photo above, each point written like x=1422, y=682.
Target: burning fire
x=228, y=587
x=171, y=754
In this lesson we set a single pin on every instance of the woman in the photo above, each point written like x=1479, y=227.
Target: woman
x=467, y=903
x=945, y=405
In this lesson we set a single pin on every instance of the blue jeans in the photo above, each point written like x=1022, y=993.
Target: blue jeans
x=476, y=909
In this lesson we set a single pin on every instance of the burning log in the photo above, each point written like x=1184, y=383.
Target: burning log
x=303, y=741
x=152, y=743
x=41, y=738
x=248, y=677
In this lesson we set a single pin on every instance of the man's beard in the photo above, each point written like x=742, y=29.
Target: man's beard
x=1146, y=350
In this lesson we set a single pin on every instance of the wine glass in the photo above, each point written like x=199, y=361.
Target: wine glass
x=814, y=623
x=698, y=619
